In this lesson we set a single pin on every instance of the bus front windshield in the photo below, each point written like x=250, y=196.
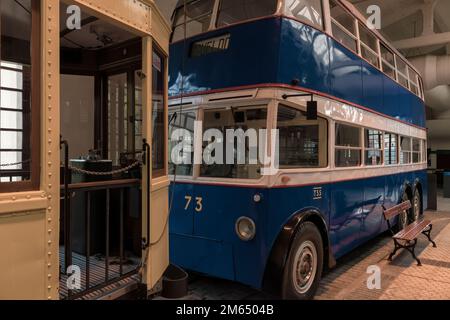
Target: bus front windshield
x=232, y=139
x=198, y=15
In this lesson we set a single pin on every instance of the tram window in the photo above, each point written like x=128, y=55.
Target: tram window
x=405, y=153
x=302, y=142
x=232, y=11
x=309, y=11
x=245, y=162
x=390, y=149
x=19, y=95
x=373, y=147
x=369, y=45
x=184, y=121
x=348, y=146
x=387, y=57
x=343, y=26
x=159, y=115
x=138, y=118
x=198, y=18
x=416, y=145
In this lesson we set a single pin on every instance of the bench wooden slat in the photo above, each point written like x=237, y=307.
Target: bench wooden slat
x=396, y=210
x=413, y=230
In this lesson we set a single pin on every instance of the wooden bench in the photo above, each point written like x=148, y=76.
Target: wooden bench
x=407, y=238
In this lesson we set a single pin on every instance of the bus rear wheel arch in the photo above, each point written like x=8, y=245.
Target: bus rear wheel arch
x=304, y=266
x=277, y=263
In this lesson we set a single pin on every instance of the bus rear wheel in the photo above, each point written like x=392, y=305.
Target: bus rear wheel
x=304, y=266
x=403, y=218
x=416, y=210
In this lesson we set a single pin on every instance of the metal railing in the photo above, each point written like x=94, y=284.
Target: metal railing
x=112, y=192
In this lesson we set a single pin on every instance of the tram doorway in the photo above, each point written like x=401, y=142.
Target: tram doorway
x=101, y=156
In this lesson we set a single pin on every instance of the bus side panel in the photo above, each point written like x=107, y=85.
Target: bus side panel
x=346, y=74
x=236, y=68
x=208, y=256
x=372, y=216
x=346, y=214
x=404, y=110
x=372, y=86
x=181, y=215
x=304, y=56
x=286, y=202
x=213, y=247
x=418, y=110
x=392, y=194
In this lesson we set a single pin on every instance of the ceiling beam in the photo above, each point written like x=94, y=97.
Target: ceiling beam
x=423, y=41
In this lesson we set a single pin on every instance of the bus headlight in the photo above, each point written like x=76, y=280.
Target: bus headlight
x=245, y=228
x=257, y=198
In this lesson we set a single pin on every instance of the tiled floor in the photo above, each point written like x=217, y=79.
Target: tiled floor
x=400, y=279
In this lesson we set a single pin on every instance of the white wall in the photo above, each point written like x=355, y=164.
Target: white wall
x=77, y=113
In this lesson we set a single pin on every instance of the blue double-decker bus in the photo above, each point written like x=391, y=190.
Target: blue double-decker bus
x=359, y=146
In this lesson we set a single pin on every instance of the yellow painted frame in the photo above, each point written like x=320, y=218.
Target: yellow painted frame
x=29, y=221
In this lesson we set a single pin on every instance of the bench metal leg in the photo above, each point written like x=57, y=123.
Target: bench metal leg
x=427, y=233
x=397, y=247
x=411, y=248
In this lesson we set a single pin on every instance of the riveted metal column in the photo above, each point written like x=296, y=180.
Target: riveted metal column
x=50, y=132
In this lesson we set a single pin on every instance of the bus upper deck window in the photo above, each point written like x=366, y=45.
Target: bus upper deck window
x=302, y=142
x=232, y=11
x=343, y=26
x=388, y=62
x=369, y=45
x=198, y=18
x=309, y=11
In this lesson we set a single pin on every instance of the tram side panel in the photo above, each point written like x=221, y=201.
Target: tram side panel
x=22, y=257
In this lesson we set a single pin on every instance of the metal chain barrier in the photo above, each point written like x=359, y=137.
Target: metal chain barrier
x=14, y=164
x=110, y=173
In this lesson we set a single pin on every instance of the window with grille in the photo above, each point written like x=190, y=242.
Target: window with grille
x=19, y=95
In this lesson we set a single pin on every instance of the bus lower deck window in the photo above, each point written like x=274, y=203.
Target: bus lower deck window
x=390, y=149
x=223, y=140
x=302, y=142
x=181, y=130
x=348, y=146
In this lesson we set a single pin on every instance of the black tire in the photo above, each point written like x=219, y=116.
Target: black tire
x=416, y=203
x=403, y=219
x=307, y=242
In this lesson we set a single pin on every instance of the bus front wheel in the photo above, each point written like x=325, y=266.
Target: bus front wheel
x=304, y=266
